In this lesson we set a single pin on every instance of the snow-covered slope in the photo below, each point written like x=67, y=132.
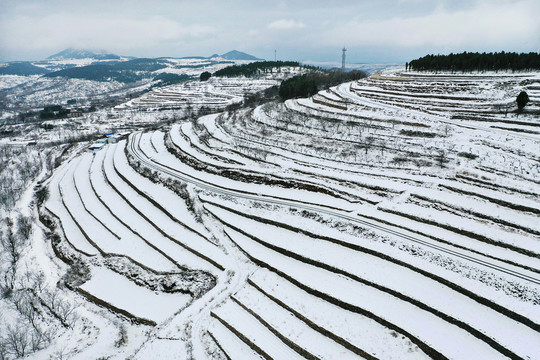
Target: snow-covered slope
x=392, y=217
x=72, y=53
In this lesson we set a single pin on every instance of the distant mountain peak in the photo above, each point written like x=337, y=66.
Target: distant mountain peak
x=238, y=55
x=72, y=53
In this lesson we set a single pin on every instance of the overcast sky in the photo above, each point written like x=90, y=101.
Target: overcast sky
x=381, y=31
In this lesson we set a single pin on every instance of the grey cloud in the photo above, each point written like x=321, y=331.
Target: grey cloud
x=374, y=31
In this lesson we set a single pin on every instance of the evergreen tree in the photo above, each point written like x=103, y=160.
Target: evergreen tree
x=522, y=100
x=205, y=76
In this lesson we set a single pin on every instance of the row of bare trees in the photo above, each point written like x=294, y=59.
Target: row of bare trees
x=35, y=311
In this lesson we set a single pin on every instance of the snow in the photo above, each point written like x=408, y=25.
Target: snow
x=163, y=349
x=216, y=93
x=255, y=332
x=390, y=244
x=127, y=243
x=233, y=347
x=175, y=230
x=472, y=204
x=137, y=300
x=511, y=334
x=358, y=330
x=55, y=205
x=520, y=241
x=158, y=192
x=367, y=281
x=10, y=81
x=167, y=160
x=427, y=327
x=291, y=328
x=157, y=240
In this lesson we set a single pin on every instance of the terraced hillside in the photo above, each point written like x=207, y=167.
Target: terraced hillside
x=214, y=94
x=391, y=218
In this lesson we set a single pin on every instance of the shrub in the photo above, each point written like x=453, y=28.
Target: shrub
x=122, y=336
x=77, y=274
x=417, y=133
x=467, y=155
x=42, y=195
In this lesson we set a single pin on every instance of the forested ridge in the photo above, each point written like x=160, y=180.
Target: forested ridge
x=127, y=71
x=253, y=68
x=309, y=84
x=473, y=61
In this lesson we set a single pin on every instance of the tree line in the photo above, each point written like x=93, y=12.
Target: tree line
x=170, y=79
x=22, y=68
x=309, y=84
x=473, y=61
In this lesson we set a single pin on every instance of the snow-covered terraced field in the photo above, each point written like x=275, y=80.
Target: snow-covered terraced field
x=214, y=94
x=396, y=217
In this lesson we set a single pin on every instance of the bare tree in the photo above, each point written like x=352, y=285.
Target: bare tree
x=368, y=143
x=265, y=132
x=382, y=146
x=204, y=137
x=441, y=157
x=4, y=355
x=24, y=227
x=447, y=129
x=24, y=303
x=65, y=310
x=359, y=130
x=7, y=282
x=122, y=336
x=16, y=340
x=12, y=245
x=189, y=111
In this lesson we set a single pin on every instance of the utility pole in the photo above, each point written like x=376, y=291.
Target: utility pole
x=275, y=56
x=343, y=61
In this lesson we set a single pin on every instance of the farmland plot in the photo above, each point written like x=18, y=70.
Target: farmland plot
x=393, y=217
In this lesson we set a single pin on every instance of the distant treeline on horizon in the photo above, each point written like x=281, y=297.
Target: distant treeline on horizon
x=469, y=61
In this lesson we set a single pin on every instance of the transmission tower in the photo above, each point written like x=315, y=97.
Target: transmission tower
x=343, y=60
